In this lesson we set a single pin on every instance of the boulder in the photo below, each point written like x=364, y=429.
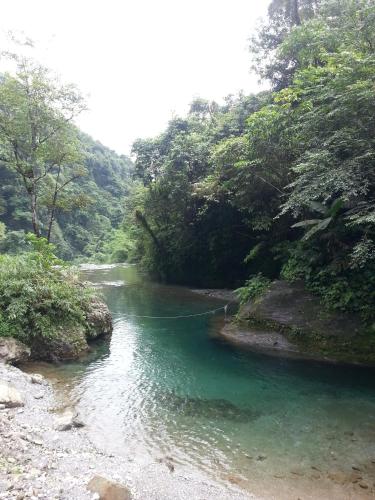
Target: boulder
x=66, y=344
x=9, y=396
x=108, y=490
x=287, y=320
x=37, y=378
x=68, y=421
x=290, y=306
x=99, y=320
x=13, y=351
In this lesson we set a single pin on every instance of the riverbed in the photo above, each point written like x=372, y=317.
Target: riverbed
x=171, y=396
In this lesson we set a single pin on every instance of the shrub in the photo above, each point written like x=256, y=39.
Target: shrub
x=253, y=288
x=39, y=294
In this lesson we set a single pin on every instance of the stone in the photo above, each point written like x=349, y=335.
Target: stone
x=9, y=396
x=108, y=490
x=290, y=305
x=37, y=378
x=338, y=477
x=68, y=420
x=66, y=344
x=13, y=351
x=99, y=319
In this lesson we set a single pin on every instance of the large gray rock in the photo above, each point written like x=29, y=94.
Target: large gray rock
x=13, y=351
x=71, y=343
x=289, y=306
x=108, y=490
x=66, y=344
x=9, y=396
x=99, y=320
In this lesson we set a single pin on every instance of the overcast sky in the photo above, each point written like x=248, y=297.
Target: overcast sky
x=140, y=61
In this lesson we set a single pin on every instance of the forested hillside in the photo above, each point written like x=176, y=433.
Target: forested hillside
x=280, y=183
x=54, y=180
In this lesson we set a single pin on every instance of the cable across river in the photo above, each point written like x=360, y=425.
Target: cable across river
x=212, y=311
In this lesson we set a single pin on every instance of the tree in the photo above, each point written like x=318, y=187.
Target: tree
x=283, y=16
x=37, y=140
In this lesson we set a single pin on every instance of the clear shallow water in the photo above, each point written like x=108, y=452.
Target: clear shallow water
x=172, y=390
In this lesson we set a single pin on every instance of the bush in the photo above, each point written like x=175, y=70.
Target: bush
x=339, y=286
x=253, y=288
x=39, y=295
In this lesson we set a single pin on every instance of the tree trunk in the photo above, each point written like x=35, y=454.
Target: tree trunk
x=295, y=13
x=141, y=218
x=34, y=215
x=53, y=208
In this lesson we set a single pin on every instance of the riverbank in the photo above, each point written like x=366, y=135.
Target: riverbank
x=39, y=460
x=288, y=321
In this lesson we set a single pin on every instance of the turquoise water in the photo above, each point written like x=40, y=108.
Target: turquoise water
x=173, y=388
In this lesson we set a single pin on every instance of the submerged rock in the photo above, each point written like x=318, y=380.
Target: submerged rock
x=108, y=490
x=9, y=396
x=13, y=351
x=210, y=408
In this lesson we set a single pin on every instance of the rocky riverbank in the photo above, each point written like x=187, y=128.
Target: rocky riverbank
x=286, y=320
x=46, y=453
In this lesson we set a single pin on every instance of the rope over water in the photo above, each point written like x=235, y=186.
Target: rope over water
x=212, y=311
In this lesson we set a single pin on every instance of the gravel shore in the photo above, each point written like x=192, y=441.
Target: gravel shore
x=38, y=461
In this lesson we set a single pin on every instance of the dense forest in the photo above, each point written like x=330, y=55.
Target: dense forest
x=277, y=184
x=268, y=185
x=55, y=180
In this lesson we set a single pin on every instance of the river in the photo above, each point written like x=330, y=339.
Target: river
x=171, y=392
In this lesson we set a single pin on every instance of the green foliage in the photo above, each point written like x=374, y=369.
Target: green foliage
x=54, y=180
x=86, y=214
x=253, y=288
x=281, y=180
x=37, y=297
x=341, y=287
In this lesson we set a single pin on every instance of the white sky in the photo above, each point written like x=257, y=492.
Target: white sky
x=140, y=61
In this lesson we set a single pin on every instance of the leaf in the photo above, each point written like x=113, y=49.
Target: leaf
x=308, y=222
x=319, y=227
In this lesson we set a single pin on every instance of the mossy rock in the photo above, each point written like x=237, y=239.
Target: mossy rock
x=68, y=343
x=289, y=309
x=290, y=306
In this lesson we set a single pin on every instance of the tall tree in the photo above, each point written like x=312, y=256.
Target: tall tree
x=36, y=136
x=283, y=16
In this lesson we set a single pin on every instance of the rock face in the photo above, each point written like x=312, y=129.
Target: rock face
x=13, y=351
x=289, y=305
x=260, y=340
x=289, y=321
x=108, y=490
x=71, y=343
x=99, y=320
x=67, y=344
x=9, y=396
